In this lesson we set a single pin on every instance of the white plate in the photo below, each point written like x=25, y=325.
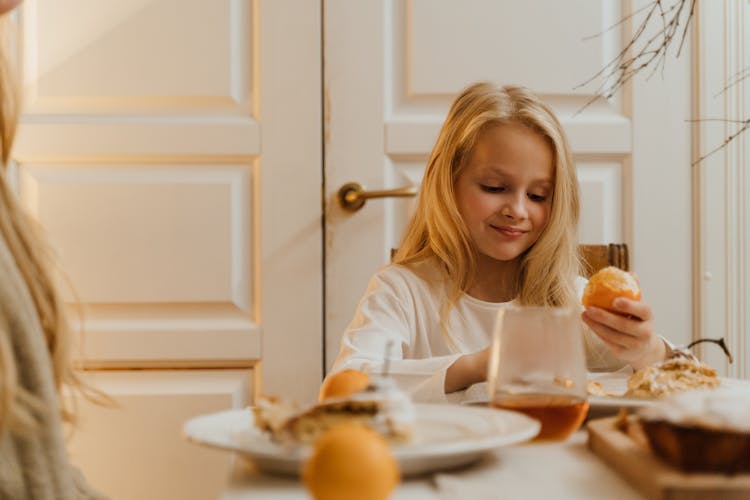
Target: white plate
x=595, y=402
x=615, y=383
x=612, y=382
x=447, y=436
x=616, y=402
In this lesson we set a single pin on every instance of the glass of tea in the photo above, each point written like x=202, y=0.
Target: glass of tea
x=537, y=366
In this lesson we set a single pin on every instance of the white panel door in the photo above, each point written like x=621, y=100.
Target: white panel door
x=392, y=68
x=154, y=149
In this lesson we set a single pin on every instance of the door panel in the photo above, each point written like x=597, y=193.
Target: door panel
x=601, y=201
x=78, y=205
x=501, y=41
x=140, y=56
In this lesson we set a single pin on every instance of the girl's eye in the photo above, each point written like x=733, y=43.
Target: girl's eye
x=537, y=197
x=492, y=189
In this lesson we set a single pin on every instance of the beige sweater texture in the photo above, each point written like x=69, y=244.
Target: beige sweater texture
x=33, y=466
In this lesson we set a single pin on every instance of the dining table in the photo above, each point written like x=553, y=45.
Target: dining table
x=562, y=469
x=565, y=469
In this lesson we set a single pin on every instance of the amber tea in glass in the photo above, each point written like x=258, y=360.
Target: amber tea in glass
x=538, y=367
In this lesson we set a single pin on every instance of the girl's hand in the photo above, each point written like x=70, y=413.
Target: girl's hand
x=467, y=370
x=630, y=334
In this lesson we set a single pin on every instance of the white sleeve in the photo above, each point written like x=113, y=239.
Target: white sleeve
x=599, y=357
x=384, y=315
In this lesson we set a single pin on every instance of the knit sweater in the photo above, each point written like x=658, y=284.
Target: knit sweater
x=33, y=465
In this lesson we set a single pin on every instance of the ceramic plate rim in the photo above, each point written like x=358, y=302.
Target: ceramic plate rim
x=614, y=401
x=520, y=428
x=484, y=443
x=595, y=402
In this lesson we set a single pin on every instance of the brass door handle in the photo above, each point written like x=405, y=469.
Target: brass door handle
x=352, y=195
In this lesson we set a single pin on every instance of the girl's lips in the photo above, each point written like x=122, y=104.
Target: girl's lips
x=511, y=232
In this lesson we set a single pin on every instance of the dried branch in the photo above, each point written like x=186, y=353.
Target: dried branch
x=727, y=140
x=735, y=79
x=618, y=23
x=644, y=52
x=669, y=21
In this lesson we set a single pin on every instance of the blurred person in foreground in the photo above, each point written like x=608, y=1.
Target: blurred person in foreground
x=35, y=338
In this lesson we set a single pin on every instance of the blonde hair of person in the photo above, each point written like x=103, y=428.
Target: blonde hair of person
x=33, y=258
x=547, y=270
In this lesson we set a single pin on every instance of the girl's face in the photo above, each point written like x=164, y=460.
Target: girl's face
x=504, y=193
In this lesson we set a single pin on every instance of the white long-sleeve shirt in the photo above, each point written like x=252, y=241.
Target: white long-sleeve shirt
x=403, y=305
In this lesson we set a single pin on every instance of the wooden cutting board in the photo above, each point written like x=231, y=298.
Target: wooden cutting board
x=655, y=478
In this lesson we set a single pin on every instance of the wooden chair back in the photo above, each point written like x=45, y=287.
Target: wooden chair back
x=595, y=257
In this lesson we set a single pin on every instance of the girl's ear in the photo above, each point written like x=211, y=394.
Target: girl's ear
x=8, y=5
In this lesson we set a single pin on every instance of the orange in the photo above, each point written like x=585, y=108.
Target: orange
x=342, y=384
x=607, y=285
x=351, y=461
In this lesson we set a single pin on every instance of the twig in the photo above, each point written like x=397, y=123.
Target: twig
x=644, y=52
x=734, y=80
x=727, y=140
x=618, y=23
x=648, y=53
x=723, y=120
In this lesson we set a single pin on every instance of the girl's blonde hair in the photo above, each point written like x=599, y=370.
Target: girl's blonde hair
x=33, y=258
x=547, y=270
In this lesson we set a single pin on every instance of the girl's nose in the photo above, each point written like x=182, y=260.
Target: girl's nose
x=515, y=208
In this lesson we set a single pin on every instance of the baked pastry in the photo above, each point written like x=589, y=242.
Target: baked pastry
x=608, y=284
x=681, y=372
x=381, y=406
x=702, y=430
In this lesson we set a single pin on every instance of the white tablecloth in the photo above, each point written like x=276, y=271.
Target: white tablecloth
x=563, y=470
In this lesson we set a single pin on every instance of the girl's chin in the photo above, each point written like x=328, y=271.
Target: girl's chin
x=504, y=256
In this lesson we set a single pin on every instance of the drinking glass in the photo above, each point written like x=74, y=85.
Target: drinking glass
x=537, y=366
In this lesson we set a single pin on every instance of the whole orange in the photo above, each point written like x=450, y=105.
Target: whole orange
x=351, y=461
x=343, y=383
x=608, y=284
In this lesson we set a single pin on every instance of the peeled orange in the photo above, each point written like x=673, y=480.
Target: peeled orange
x=343, y=383
x=608, y=284
x=351, y=461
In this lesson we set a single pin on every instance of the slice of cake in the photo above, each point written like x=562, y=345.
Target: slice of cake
x=382, y=406
x=271, y=414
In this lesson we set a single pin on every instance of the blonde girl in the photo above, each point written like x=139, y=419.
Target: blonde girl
x=496, y=222
x=35, y=340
